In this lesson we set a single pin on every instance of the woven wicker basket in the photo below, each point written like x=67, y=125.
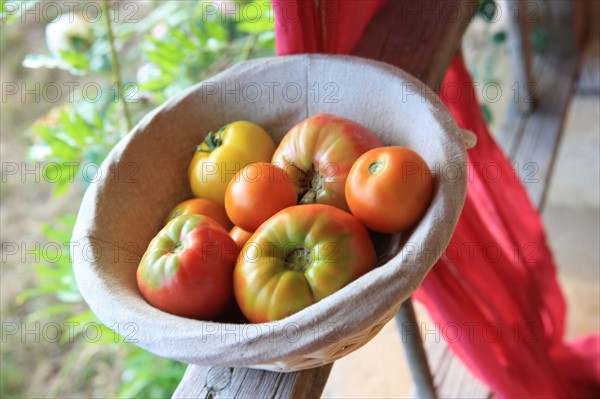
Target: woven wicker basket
x=145, y=176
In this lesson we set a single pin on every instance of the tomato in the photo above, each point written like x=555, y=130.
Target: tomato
x=298, y=257
x=202, y=206
x=256, y=193
x=389, y=189
x=240, y=236
x=187, y=268
x=318, y=154
x=222, y=154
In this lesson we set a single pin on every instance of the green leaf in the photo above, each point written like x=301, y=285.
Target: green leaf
x=75, y=59
x=183, y=39
x=11, y=10
x=82, y=318
x=487, y=10
x=26, y=295
x=107, y=336
x=499, y=37
x=154, y=85
x=216, y=30
x=49, y=311
x=200, y=34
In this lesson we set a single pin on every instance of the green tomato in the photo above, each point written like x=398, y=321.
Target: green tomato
x=299, y=256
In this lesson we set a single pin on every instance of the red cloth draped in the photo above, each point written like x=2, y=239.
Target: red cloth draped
x=494, y=294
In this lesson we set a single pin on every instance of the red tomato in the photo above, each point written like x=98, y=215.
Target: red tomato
x=187, y=269
x=256, y=193
x=239, y=235
x=318, y=154
x=202, y=206
x=298, y=257
x=389, y=189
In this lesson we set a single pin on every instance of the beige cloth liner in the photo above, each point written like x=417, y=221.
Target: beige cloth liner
x=145, y=176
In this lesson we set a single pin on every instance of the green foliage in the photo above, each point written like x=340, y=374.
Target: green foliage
x=173, y=46
x=483, y=67
x=487, y=9
x=148, y=376
x=10, y=11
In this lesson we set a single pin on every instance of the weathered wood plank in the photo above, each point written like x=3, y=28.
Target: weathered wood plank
x=406, y=321
x=510, y=133
x=521, y=55
x=418, y=36
x=541, y=133
x=224, y=382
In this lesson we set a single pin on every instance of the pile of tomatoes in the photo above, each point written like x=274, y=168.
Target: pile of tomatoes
x=278, y=228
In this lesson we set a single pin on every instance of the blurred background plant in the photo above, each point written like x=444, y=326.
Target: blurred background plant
x=122, y=58
x=487, y=54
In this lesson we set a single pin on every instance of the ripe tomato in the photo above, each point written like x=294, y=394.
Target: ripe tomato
x=240, y=236
x=389, y=189
x=222, y=154
x=318, y=154
x=256, y=193
x=298, y=257
x=187, y=268
x=202, y=206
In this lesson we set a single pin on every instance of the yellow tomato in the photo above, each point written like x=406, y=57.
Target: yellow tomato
x=224, y=153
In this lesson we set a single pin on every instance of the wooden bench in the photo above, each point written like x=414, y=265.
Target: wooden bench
x=421, y=38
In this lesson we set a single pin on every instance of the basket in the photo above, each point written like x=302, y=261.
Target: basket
x=144, y=176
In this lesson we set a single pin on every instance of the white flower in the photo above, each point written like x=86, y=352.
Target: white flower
x=69, y=32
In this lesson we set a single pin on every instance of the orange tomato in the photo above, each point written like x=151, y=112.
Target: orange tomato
x=240, y=236
x=257, y=192
x=202, y=206
x=389, y=189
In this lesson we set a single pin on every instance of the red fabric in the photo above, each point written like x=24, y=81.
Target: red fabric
x=494, y=295
x=496, y=285
x=321, y=26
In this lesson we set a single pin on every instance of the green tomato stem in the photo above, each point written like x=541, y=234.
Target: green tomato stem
x=312, y=185
x=213, y=141
x=299, y=259
x=177, y=247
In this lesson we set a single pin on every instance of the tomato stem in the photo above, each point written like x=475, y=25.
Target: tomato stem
x=176, y=247
x=213, y=141
x=375, y=167
x=299, y=259
x=311, y=186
